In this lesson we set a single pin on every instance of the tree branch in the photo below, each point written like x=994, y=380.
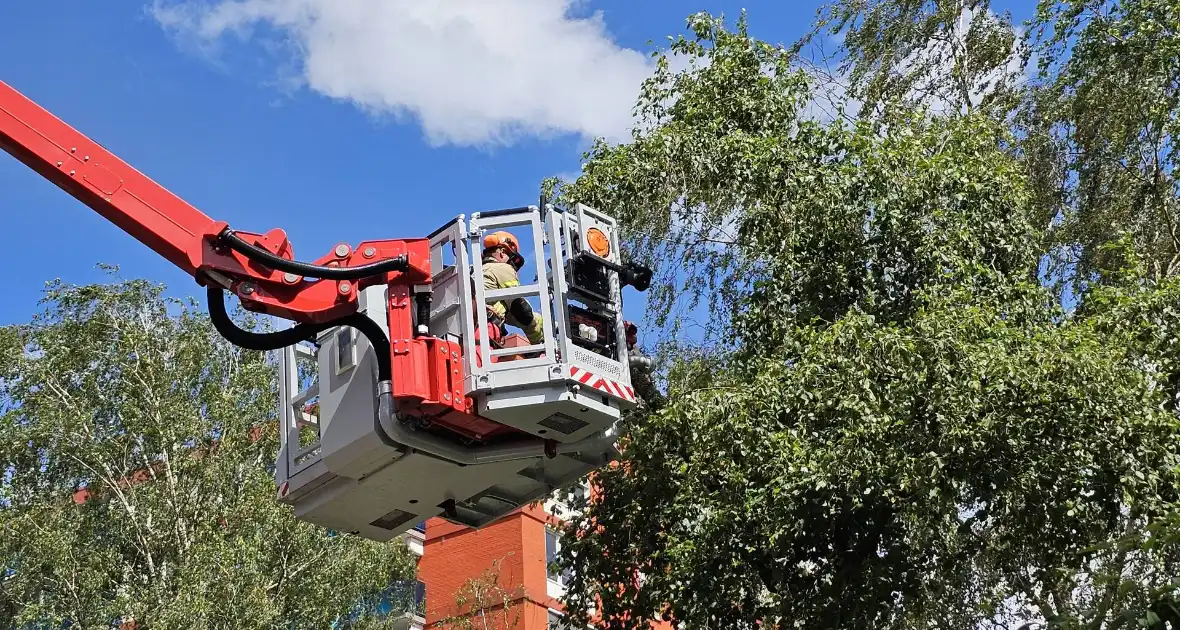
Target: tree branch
x=1108, y=597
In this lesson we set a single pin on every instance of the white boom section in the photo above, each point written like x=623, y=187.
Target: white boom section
x=348, y=464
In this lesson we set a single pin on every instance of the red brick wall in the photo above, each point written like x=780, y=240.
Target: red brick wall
x=454, y=554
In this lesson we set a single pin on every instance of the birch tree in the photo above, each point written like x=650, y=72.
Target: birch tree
x=905, y=427
x=137, y=449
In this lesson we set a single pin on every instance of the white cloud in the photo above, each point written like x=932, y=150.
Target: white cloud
x=471, y=72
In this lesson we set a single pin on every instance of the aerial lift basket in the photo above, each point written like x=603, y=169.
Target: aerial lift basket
x=344, y=466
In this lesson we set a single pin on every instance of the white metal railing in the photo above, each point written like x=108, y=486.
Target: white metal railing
x=458, y=306
x=563, y=228
x=539, y=289
x=295, y=397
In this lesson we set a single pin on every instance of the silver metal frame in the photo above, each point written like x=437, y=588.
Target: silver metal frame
x=296, y=459
x=497, y=479
x=486, y=376
x=451, y=288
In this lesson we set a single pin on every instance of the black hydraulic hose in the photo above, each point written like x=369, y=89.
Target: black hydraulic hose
x=252, y=340
x=260, y=255
x=377, y=338
x=300, y=332
x=423, y=301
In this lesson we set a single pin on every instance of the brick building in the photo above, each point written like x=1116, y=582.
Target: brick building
x=515, y=551
x=519, y=547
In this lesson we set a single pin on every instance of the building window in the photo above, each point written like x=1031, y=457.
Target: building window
x=552, y=546
x=568, y=510
x=419, y=597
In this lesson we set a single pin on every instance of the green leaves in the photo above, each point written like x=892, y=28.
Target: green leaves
x=898, y=476
x=712, y=148
x=892, y=422
x=138, y=446
x=1101, y=120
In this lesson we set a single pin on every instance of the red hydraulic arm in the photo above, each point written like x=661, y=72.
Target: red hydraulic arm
x=424, y=371
x=259, y=268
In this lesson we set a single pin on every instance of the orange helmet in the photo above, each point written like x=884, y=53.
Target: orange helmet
x=508, y=242
x=501, y=239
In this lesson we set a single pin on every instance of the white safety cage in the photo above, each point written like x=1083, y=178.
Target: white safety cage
x=576, y=382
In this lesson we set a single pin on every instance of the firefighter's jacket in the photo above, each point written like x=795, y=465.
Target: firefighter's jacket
x=498, y=275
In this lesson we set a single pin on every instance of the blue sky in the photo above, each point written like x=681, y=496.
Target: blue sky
x=217, y=119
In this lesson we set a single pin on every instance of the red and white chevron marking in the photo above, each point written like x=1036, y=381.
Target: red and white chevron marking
x=591, y=379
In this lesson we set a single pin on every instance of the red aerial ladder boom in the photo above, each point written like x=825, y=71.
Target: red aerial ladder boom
x=259, y=268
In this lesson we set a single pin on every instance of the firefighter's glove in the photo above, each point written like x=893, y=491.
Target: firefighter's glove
x=522, y=311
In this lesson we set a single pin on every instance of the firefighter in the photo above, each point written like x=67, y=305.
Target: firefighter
x=501, y=264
